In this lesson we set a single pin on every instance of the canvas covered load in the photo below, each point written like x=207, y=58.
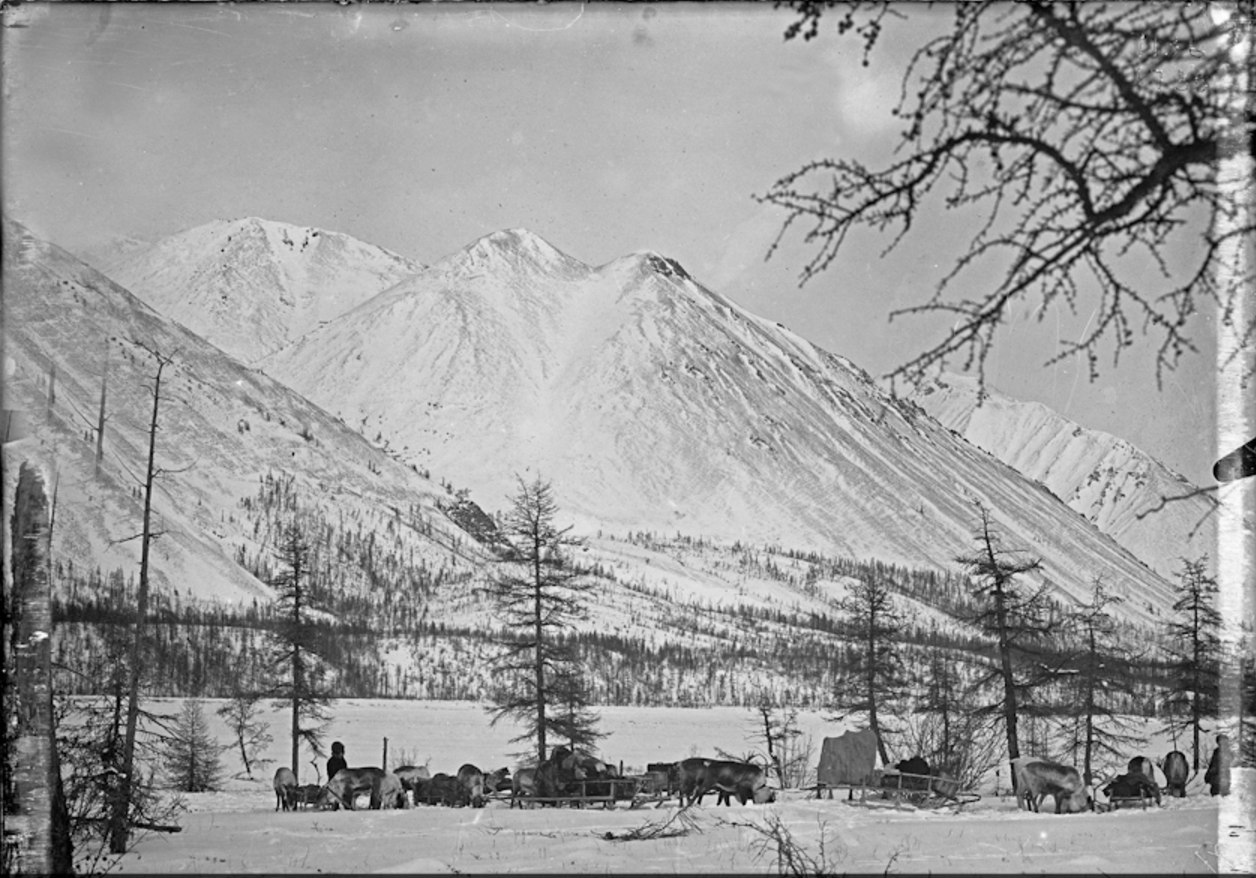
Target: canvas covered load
x=848, y=760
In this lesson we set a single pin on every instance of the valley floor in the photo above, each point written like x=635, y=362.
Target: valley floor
x=238, y=831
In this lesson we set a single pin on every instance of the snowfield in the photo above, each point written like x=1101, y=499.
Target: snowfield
x=237, y=829
x=239, y=832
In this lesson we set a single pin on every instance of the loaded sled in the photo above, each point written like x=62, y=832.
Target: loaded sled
x=848, y=762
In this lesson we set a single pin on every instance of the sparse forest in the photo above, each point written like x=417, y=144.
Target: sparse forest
x=377, y=601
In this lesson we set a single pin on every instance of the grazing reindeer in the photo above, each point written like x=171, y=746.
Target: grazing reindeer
x=349, y=782
x=522, y=786
x=285, y=784
x=387, y=792
x=472, y=781
x=1038, y=778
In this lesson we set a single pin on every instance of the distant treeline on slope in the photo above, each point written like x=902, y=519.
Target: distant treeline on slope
x=395, y=626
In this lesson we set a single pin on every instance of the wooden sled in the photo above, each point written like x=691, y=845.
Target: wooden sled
x=903, y=790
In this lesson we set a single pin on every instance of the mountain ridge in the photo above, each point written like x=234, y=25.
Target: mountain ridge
x=1105, y=478
x=251, y=285
x=223, y=427
x=650, y=400
x=398, y=570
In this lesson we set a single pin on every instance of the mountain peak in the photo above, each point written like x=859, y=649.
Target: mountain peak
x=648, y=262
x=660, y=264
x=517, y=248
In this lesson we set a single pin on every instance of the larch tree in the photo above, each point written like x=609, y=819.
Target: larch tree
x=1099, y=684
x=250, y=733
x=874, y=679
x=1015, y=616
x=575, y=722
x=956, y=742
x=1081, y=143
x=539, y=594
x=191, y=754
x=300, y=687
x=1194, y=651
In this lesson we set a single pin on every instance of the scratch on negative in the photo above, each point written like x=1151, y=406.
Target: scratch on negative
x=509, y=23
x=70, y=131
x=207, y=30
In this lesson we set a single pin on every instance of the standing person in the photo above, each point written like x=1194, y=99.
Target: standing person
x=337, y=760
x=1218, y=774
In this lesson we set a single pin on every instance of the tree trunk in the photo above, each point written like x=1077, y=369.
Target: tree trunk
x=873, y=722
x=1009, y=684
x=1196, y=707
x=100, y=422
x=35, y=768
x=540, y=658
x=119, y=818
x=52, y=389
x=296, y=669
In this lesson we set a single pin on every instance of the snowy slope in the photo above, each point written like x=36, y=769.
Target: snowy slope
x=223, y=428
x=652, y=402
x=1105, y=478
x=251, y=285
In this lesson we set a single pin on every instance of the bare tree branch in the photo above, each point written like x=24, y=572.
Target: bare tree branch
x=1085, y=138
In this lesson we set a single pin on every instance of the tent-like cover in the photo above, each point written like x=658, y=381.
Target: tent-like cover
x=848, y=760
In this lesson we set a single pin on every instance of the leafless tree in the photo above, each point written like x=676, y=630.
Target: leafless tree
x=1083, y=142
x=120, y=817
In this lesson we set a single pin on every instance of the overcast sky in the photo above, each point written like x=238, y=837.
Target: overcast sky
x=605, y=129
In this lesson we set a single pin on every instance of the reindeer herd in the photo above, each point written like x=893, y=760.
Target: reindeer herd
x=1038, y=778
x=564, y=778
x=567, y=778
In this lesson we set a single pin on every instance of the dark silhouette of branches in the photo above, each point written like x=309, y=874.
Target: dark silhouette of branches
x=1086, y=137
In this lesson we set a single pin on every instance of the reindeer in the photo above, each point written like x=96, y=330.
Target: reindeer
x=286, y=786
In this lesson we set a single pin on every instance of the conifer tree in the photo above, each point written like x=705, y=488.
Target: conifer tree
x=301, y=687
x=191, y=753
x=1194, y=651
x=538, y=595
x=1097, y=685
x=1014, y=616
x=252, y=736
x=874, y=678
x=574, y=719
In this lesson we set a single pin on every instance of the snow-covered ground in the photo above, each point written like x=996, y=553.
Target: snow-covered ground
x=237, y=830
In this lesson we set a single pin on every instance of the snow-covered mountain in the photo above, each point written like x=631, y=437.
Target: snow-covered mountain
x=243, y=456
x=652, y=402
x=1108, y=480
x=224, y=429
x=251, y=285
